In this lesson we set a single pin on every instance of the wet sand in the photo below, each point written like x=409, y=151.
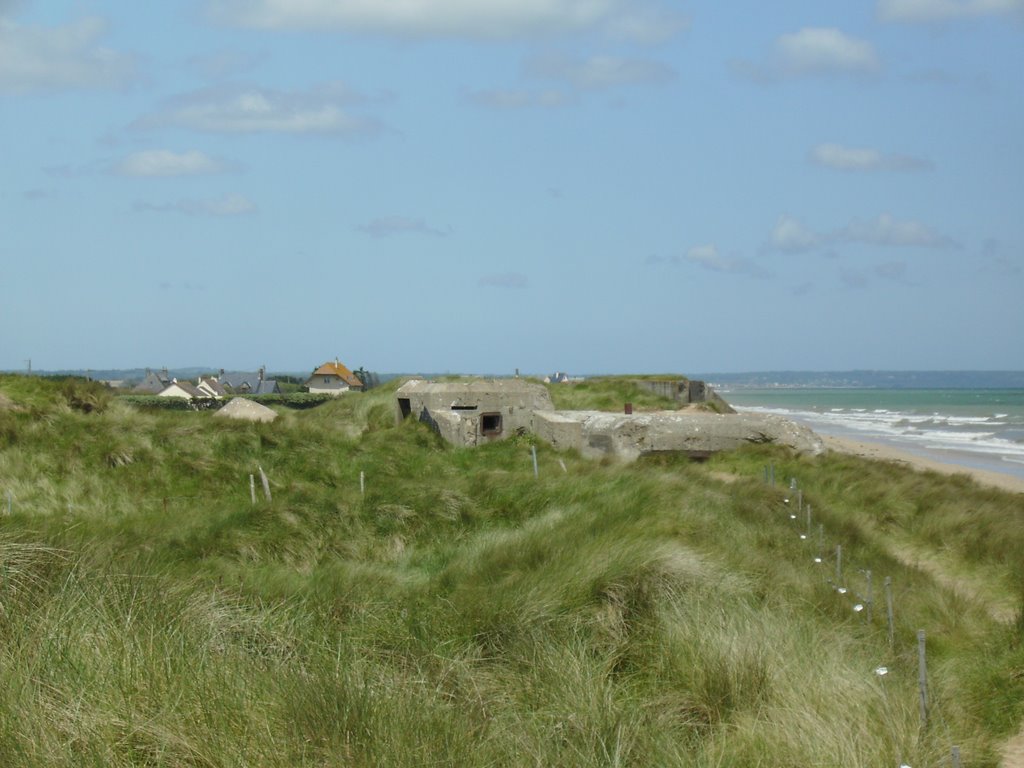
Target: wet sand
x=883, y=452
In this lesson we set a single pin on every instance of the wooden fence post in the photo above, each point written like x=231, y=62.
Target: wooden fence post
x=533, y=450
x=362, y=483
x=252, y=488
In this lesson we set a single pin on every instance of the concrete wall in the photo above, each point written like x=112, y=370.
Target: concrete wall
x=477, y=403
x=558, y=429
x=326, y=385
x=453, y=427
x=672, y=389
x=596, y=433
x=458, y=410
x=685, y=391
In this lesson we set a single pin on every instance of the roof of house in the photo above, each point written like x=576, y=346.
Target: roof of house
x=185, y=386
x=153, y=382
x=239, y=379
x=250, y=382
x=339, y=370
x=214, y=385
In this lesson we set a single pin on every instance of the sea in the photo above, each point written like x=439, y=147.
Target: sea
x=971, y=427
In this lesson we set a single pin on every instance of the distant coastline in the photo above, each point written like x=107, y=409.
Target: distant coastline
x=851, y=379
x=866, y=379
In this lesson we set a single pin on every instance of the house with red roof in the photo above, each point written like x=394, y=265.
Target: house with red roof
x=333, y=379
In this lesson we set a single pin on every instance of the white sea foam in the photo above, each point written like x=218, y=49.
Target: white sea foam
x=935, y=432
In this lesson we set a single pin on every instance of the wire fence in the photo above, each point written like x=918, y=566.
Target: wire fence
x=861, y=601
x=835, y=565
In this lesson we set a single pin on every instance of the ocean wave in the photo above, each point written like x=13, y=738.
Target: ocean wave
x=980, y=435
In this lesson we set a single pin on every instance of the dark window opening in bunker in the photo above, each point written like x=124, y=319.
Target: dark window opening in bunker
x=490, y=424
x=405, y=407
x=463, y=407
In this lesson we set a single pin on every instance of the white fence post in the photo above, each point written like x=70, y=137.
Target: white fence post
x=266, y=483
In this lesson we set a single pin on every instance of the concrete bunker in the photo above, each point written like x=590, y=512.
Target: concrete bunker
x=470, y=412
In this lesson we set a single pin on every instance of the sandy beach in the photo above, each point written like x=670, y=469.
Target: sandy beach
x=883, y=452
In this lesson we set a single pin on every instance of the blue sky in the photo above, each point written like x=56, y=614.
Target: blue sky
x=484, y=185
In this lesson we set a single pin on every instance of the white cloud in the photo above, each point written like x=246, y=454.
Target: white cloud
x=792, y=236
x=227, y=206
x=164, y=162
x=941, y=10
x=36, y=58
x=708, y=257
x=400, y=225
x=599, y=71
x=824, y=50
x=890, y=231
x=516, y=99
x=322, y=110
x=813, y=51
x=789, y=235
x=864, y=159
x=640, y=21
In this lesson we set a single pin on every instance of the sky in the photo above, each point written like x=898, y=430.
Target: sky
x=591, y=186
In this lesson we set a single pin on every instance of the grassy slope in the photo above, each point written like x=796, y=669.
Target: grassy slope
x=464, y=613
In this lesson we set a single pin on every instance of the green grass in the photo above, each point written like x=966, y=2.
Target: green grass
x=608, y=393
x=462, y=612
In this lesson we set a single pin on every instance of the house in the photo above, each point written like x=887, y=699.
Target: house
x=240, y=383
x=154, y=383
x=184, y=389
x=557, y=378
x=333, y=379
x=209, y=386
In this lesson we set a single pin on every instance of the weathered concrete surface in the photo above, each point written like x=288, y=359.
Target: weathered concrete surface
x=452, y=427
x=559, y=429
x=474, y=411
x=468, y=412
x=246, y=410
x=685, y=391
x=692, y=433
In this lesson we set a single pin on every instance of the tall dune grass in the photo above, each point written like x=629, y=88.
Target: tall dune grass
x=462, y=612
